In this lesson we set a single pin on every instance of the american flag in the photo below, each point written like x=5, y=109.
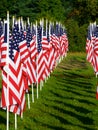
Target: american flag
x=28, y=35
x=31, y=41
x=4, y=72
x=16, y=83
x=40, y=58
x=1, y=36
x=54, y=41
x=45, y=43
x=1, y=28
x=52, y=50
x=19, y=108
x=3, y=42
x=15, y=54
x=46, y=61
x=88, y=45
x=39, y=38
x=24, y=52
x=65, y=41
x=91, y=51
x=95, y=52
x=33, y=49
x=46, y=51
x=25, y=57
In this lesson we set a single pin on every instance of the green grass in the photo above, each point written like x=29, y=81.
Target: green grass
x=66, y=102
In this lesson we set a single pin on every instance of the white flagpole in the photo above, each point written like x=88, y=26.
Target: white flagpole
x=28, y=93
x=46, y=26
x=49, y=28
x=22, y=115
x=46, y=37
x=96, y=75
x=13, y=21
x=42, y=25
x=7, y=62
x=28, y=100
x=23, y=25
x=36, y=63
x=28, y=21
x=15, y=113
x=32, y=93
x=49, y=37
x=41, y=85
x=32, y=83
x=15, y=121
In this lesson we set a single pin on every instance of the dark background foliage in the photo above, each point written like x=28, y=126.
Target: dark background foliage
x=75, y=15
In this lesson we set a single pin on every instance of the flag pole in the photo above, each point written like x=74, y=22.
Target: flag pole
x=28, y=100
x=36, y=63
x=46, y=78
x=32, y=93
x=46, y=26
x=49, y=38
x=28, y=22
x=15, y=121
x=15, y=113
x=22, y=115
x=42, y=25
x=7, y=74
x=13, y=21
x=32, y=83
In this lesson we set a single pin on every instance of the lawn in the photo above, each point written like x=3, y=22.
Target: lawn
x=66, y=102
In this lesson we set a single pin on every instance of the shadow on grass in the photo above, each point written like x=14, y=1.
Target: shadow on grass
x=49, y=126
x=83, y=119
x=74, y=79
x=26, y=128
x=71, y=98
x=2, y=120
x=63, y=120
x=80, y=109
x=78, y=87
x=76, y=82
x=83, y=98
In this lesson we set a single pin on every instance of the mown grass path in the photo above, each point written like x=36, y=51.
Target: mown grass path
x=66, y=102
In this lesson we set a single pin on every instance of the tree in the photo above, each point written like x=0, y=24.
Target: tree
x=84, y=11
x=74, y=14
x=52, y=9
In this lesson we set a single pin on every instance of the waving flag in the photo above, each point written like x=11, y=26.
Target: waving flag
x=89, y=46
x=13, y=83
x=40, y=57
x=32, y=50
x=1, y=39
x=25, y=57
x=3, y=46
x=16, y=83
x=19, y=108
x=32, y=42
x=45, y=43
x=95, y=52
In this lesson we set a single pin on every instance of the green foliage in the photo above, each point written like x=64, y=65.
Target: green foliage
x=82, y=37
x=75, y=15
x=72, y=29
x=51, y=9
x=76, y=35
x=84, y=11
